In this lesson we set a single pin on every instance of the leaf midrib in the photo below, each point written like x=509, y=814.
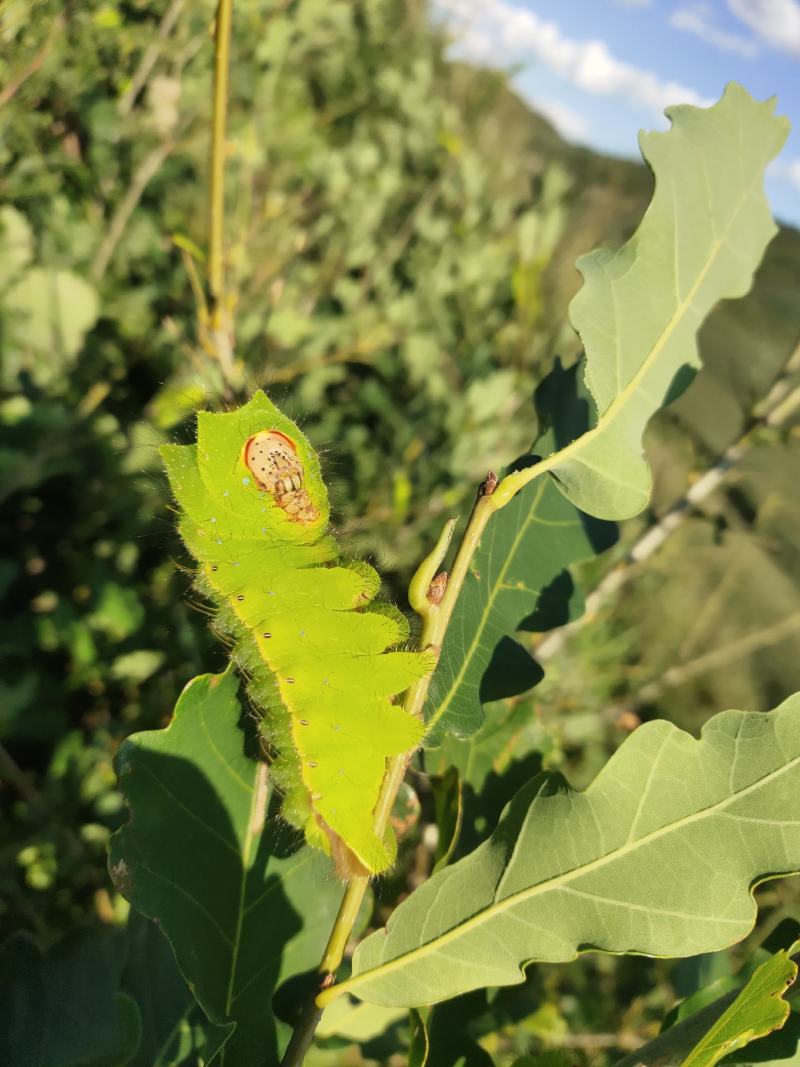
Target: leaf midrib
x=622, y=398
x=498, y=907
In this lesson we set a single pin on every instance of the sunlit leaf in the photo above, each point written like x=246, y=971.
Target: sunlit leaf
x=16, y=244
x=757, y=1011
x=704, y=1015
x=658, y=856
x=356, y=1020
x=640, y=307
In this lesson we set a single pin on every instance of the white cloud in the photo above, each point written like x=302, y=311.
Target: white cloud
x=504, y=33
x=788, y=170
x=775, y=21
x=567, y=121
x=634, y=3
x=699, y=20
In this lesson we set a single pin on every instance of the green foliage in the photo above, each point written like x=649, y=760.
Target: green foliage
x=519, y=581
x=241, y=910
x=401, y=239
x=364, y=206
x=63, y=1008
x=166, y=1006
x=100, y=996
x=750, y=1022
x=359, y=1022
x=50, y=313
x=629, y=865
x=757, y=1011
x=439, y=1039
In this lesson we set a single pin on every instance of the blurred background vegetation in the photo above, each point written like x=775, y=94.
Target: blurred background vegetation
x=402, y=233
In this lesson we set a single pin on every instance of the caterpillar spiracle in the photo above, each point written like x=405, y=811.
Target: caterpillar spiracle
x=320, y=655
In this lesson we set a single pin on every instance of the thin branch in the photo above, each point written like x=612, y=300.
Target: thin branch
x=436, y=617
x=35, y=64
x=144, y=173
x=782, y=401
x=718, y=657
x=217, y=333
x=356, y=353
x=216, y=217
x=150, y=58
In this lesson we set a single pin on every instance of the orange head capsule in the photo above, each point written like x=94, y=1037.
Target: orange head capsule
x=272, y=459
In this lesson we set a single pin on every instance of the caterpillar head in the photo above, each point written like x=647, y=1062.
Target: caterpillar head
x=272, y=459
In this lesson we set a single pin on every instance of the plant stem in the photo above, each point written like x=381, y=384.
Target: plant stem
x=436, y=618
x=216, y=217
x=13, y=86
x=218, y=335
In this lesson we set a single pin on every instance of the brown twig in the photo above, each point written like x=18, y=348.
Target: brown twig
x=35, y=64
x=150, y=57
x=146, y=170
x=713, y=660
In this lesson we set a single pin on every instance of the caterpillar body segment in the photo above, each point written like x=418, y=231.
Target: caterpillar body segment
x=322, y=659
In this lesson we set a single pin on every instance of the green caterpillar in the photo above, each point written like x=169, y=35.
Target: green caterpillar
x=254, y=514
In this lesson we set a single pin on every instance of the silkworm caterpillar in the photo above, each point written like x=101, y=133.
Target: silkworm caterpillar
x=320, y=654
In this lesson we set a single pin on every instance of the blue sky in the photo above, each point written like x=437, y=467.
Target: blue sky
x=603, y=69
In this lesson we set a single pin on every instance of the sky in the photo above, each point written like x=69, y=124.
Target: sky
x=601, y=70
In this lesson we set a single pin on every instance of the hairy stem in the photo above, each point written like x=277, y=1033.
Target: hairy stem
x=435, y=620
